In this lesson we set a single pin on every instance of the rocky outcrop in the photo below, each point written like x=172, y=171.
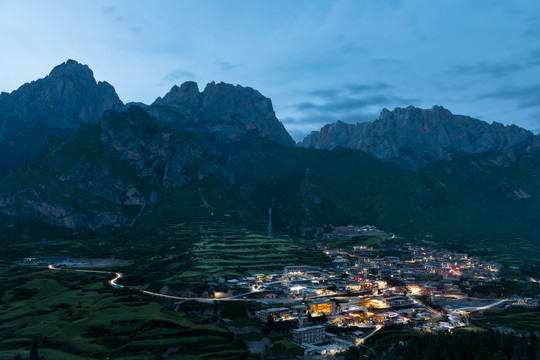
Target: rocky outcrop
x=413, y=138
x=57, y=104
x=106, y=174
x=222, y=111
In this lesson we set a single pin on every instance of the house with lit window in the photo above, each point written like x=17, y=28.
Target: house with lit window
x=322, y=306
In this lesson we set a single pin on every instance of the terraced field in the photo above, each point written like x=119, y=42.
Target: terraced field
x=526, y=320
x=224, y=249
x=78, y=316
x=74, y=313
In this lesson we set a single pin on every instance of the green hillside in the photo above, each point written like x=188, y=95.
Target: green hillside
x=485, y=201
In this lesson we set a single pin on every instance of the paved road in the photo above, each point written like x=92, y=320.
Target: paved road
x=361, y=340
x=416, y=301
x=477, y=308
x=117, y=276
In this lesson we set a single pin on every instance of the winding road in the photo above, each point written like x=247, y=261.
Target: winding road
x=118, y=276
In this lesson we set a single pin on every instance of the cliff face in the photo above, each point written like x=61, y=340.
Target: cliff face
x=57, y=104
x=106, y=174
x=91, y=166
x=223, y=112
x=413, y=138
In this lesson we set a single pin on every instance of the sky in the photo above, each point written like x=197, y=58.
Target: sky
x=319, y=61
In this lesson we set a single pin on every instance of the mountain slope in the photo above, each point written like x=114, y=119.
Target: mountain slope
x=222, y=153
x=313, y=189
x=413, y=138
x=105, y=174
x=128, y=171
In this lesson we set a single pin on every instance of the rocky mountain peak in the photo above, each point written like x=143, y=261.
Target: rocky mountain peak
x=186, y=95
x=56, y=104
x=223, y=111
x=414, y=138
x=65, y=98
x=71, y=70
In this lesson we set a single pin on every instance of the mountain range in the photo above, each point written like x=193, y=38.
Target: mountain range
x=75, y=157
x=413, y=138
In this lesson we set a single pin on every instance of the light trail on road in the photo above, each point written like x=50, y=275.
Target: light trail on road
x=113, y=283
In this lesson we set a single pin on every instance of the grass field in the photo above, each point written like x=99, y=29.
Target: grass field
x=388, y=336
x=286, y=347
x=78, y=316
x=520, y=320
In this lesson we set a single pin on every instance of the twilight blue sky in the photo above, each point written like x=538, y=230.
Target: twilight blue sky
x=319, y=61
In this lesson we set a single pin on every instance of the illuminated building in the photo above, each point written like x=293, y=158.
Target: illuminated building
x=295, y=269
x=322, y=307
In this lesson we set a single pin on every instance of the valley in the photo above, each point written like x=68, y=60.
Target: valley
x=212, y=292
x=194, y=227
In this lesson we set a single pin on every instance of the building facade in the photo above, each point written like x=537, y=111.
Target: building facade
x=309, y=335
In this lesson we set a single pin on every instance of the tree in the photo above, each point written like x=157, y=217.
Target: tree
x=353, y=353
x=34, y=351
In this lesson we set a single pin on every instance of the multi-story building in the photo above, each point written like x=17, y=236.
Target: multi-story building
x=309, y=335
x=299, y=309
x=275, y=313
x=322, y=306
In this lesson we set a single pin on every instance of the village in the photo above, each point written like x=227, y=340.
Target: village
x=363, y=289
x=360, y=292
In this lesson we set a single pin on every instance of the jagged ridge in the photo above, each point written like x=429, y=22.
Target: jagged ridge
x=413, y=138
x=223, y=111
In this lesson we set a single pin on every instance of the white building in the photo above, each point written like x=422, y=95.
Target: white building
x=309, y=335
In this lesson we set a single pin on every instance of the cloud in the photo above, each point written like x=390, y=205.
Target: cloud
x=355, y=104
x=328, y=94
x=178, y=74
x=352, y=48
x=532, y=32
x=349, y=90
x=388, y=62
x=526, y=96
x=112, y=13
x=227, y=66
x=490, y=69
x=531, y=22
x=299, y=127
x=109, y=10
x=360, y=88
x=352, y=103
x=500, y=69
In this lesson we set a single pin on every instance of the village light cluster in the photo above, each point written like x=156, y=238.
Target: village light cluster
x=415, y=287
x=364, y=290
